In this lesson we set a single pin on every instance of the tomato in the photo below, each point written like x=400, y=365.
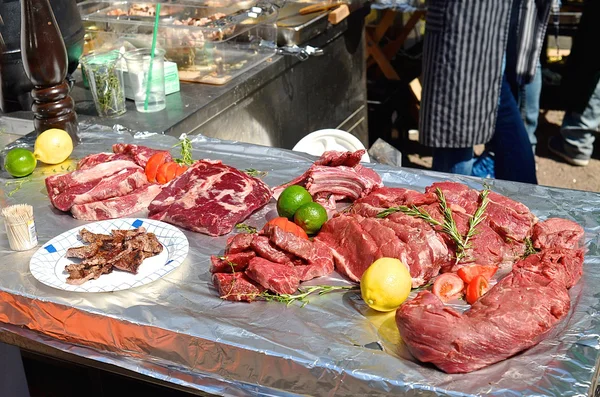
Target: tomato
x=448, y=286
x=468, y=273
x=181, y=168
x=477, y=288
x=166, y=172
x=286, y=225
x=155, y=161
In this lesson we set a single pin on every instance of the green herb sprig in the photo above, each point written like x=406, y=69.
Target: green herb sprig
x=529, y=248
x=255, y=173
x=242, y=227
x=303, y=294
x=186, y=152
x=111, y=98
x=17, y=184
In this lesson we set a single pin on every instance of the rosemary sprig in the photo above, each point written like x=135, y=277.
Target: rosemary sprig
x=449, y=225
x=529, y=248
x=474, y=221
x=303, y=294
x=186, y=151
x=18, y=184
x=412, y=211
x=242, y=227
x=255, y=173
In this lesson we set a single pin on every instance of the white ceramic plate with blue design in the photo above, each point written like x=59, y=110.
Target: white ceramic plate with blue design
x=48, y=263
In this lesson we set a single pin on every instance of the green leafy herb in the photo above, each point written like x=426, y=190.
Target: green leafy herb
x=303, y=294
x=186, y=152
x=529, y=248
x=17, y=184
x=474, y=221
x=245, y=228
x=108, y=90
x=255, y=173
x=412, y=211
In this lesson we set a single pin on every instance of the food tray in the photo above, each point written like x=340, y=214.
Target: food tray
x=209, y=44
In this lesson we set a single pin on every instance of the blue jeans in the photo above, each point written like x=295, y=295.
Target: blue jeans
x=528, y=100
x=578, y=129
x=454, y=161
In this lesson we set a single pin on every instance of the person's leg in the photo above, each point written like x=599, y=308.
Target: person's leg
x=529, y=105
x=455, y=161
x=577, y=132
x=514, y=160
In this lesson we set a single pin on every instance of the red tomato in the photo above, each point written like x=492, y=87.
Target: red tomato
x=468, y=273
x=286, y=225
x=181, y=168
x=477, y=288
x=154, y=162
x=448, y=286
x=166, y=172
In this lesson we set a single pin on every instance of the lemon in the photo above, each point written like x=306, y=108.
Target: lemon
x=53, y=146
x=310, y=217
x=292, y=198
x=385, y=285
x=19, y=162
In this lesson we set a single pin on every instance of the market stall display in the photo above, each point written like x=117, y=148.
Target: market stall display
x=335, y=344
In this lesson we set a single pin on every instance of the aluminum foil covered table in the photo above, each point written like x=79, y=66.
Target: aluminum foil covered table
x=177, y=329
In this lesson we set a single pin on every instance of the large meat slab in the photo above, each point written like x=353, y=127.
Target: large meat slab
x=210, y=197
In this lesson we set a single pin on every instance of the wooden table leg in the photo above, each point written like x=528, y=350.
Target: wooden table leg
x=392, y=48
x=379, y=57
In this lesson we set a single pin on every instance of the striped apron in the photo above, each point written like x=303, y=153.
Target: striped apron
x=464, y=48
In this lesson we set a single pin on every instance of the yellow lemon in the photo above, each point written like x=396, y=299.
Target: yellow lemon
x=53, y=146
x=385, y=285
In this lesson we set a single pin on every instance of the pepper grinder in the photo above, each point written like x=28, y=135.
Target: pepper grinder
x=45, y=62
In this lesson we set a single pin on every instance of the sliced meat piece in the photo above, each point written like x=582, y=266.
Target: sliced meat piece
x=146, y=242
x=236, y=287
x=209, y=198
x=557, y=232
x=334, y=158
x=459, y=197
x=231, y=263
x=514, y=315
x=89, y=237
x=83, y=252
x=140, y=154
x=118, y=184
x=99, y=158
x=510, y=219
x=289, y=242
x=239, y=242
x=320, y=264
x=117, y=207
x=265, y=249
x=273, y=276
x=81, y=274
x=386, y=197
x=132, y=261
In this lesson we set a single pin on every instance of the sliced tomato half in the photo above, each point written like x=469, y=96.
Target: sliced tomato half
x=448, y=286
x=181, y=168
x=468, y=273
x=477, y=288
x=286, y=225
x=154, y=162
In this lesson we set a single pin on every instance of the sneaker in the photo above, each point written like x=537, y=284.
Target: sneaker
x=556, y=146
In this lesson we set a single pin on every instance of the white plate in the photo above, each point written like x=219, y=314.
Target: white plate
x=48, y=263
x=318, y=142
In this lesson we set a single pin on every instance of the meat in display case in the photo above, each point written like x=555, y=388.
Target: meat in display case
x=210, y=43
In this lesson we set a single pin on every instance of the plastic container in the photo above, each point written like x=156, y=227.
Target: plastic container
x=138, y=67
x=209, y=44
x=318, y=142
x=105, y=80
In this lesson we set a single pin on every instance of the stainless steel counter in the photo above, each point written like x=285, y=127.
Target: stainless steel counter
x=274, y=104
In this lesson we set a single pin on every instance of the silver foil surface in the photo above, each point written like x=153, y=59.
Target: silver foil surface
x=178, y=330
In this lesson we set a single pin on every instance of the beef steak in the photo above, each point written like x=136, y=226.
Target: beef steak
x=236, y=287
x=273, y=276
x=556, y=232
x=140, y=154
x=209, y=198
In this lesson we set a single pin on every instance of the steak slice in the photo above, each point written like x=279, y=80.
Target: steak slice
x=131, y=262
x=117, y=207
x=99, y=158
x=459, y=197
x=273, y=276
x=320, y=264
x=514, y=315
x=79, y=274
x=210, y=198
x=83, y=252
x=239, y=242
x=115, y=185
x=89, y=237
x=386, y=197
x=557, y=232
x=140, y=154
x=265, y=249
x=236, y=287
x=231, y=263
x=510, y=219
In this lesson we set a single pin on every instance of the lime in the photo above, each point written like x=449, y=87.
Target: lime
x=292, y=198
x=53, y=146
x=19, y=162
x=310, y=217
x=385, y=285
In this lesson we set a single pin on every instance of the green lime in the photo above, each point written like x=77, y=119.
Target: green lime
x=19, y=162
x=292, y=198
x=310, y=217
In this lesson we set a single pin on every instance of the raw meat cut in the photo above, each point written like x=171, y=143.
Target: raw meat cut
x=118, y=184
x=336, y=176
x=117, y=207
x=265, y=249
x=236, y=287
x=56, y=184
x=238, y=243
x=209, y=198
x=386, y=197
x=513, y=316
x=99, y=158
x=276, y=277
x=556, y=232
x=231, y=263
x=140, y=154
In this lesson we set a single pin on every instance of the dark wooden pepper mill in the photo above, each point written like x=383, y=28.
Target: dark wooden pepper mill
x=45, y=62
